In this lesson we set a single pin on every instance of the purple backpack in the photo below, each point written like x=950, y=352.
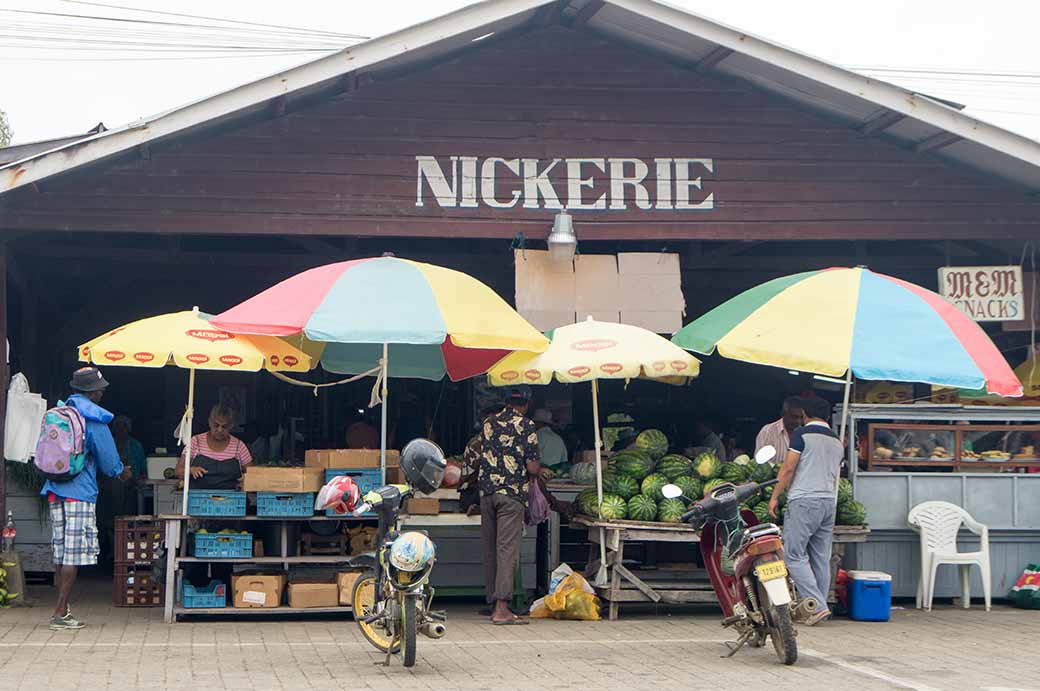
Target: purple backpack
x=60, y=454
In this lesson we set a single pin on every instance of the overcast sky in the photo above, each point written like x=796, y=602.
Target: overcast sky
x=51, y=87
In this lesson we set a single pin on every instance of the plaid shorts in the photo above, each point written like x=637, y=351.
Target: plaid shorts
x=74, y=533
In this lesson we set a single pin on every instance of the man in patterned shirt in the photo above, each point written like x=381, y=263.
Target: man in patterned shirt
x=509, y=453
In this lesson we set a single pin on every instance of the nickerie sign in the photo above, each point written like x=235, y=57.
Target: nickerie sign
x=580, y=184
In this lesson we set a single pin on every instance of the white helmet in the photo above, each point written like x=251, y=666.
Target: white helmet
x=412, y=552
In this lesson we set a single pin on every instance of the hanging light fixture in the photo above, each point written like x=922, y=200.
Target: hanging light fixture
x=562, y=241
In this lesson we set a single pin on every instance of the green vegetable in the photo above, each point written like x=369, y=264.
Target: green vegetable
x=669, y=510
x=642, y=508
x=707, y=466
x=653, y=441
x=652, y=485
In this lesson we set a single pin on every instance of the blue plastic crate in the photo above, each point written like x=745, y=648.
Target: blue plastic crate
x=870, y=595
x=367, y=479
x=222, y=545
x=208, y=502
x=210, y=596
x=285, y=503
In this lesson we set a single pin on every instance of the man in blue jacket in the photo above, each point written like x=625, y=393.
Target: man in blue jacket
x=74, y=533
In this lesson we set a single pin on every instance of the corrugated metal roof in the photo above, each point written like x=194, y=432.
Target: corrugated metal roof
x=911, y=120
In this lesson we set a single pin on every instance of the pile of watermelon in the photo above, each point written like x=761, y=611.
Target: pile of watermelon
x=850, y=512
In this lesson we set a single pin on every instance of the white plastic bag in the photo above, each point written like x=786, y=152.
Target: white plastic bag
x=25, y=411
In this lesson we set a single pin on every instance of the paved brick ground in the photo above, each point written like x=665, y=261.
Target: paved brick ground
x=133, y=648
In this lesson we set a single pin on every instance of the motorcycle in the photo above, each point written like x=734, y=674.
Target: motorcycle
x=392, y=599
x=745, y=562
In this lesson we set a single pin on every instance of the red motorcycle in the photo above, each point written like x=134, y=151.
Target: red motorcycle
x=745, y=562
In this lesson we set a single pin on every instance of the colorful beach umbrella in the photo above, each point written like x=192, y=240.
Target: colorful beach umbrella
x=439, y=321
x=188, y=339
x=589, y=351
x=407, y=318
x=853, y=321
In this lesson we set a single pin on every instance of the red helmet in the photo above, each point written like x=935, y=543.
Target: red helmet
x=341, y=494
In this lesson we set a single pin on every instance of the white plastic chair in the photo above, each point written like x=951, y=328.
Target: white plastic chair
x=938, y=523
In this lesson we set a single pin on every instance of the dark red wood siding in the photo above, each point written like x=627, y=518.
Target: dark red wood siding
x=347, y=166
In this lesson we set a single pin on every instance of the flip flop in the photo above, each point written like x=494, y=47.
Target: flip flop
x=515, y=621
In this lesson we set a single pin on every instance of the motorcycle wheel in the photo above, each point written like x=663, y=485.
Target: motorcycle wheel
x=782, y=633
x=363, y=599
x=409, y=624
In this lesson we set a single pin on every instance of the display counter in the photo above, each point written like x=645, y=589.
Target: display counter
x=995, y=488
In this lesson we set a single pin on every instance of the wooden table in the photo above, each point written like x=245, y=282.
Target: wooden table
x=672, y=587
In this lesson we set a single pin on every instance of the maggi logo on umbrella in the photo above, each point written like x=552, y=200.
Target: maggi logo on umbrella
x=593, y=344
x=275, y=360
x=679, y=365
x=115, y=355
x=533, y=375
x=211, y=335
x=579, y=371
x=231, y=360
x=510, y=375
x=659, y=366
x=144, y=357
x=291, y=360
x=197, y=358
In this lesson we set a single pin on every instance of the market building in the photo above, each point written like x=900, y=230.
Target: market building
x=458, y=141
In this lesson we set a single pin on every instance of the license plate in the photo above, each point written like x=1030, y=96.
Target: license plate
x=770, y=571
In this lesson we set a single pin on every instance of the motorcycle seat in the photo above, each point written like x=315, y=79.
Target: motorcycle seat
x=762, y=529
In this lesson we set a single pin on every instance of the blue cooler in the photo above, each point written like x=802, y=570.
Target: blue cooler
x=870, y=595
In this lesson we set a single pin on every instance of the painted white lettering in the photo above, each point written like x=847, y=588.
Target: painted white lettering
x=664, y=183
x=469, y=182
x=618, y=181
x=683, y=184
x=487, y=181
x=537, y=185
x=575, y=183
x=431, y=170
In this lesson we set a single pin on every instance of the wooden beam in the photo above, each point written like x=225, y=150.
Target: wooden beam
x=586, y=13
x=882, y=121
x=709, y=61
x=936, y=141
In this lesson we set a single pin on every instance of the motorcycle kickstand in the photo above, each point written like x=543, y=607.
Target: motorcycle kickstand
x=734, y=646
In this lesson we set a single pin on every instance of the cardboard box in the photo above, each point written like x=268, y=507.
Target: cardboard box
x=268, y=479
x=313, y=595
x=349, y=458
x=423, y=506
x=345, y=584
x=258, y=590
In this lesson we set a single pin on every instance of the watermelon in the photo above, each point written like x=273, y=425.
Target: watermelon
x=652, y=485
x=584, y=473
x=844, y=492
x=669, y=510
x=691, y=487
x=674, y=466
x=743, y=459
x=642, y=508
x=762, y=513
x=731, y=472
x=653, y=441
x=635, y=464
x=762, y=473
x=707, y=465
x=853, y=513
x=587, y=501
x=753, y=501
x=613, y=507
x=621, y=485
x=712, y=484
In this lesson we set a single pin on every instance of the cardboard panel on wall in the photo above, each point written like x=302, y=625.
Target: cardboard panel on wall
x=596, y=285
x=543, y=284
x=658, y=322
x=544, y=320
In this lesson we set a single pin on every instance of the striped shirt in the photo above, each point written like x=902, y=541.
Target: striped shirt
x=234, y=449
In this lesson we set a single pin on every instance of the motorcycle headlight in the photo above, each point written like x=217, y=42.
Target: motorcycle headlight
x=412, y=552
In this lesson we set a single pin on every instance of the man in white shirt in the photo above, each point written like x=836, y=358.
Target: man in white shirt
x=778, y=434
x=550, y=444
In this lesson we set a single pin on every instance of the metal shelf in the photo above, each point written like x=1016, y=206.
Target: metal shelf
x=219, y=611
x=318, y=559
x=178, y=517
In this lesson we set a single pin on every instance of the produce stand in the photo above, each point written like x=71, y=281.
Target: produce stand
x=177, y=554
x=686, y=586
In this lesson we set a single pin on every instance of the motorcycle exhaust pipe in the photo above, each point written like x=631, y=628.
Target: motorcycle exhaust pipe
x=805, y=608
x=433, y=629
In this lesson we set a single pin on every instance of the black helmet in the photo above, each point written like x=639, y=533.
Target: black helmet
x=423, y=464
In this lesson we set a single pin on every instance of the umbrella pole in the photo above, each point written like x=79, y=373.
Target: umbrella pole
x=845, y=404
x=189, y=414
x=382, y=433
x=601, y=575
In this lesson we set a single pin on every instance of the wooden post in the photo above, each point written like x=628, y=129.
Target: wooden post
x=4, y=375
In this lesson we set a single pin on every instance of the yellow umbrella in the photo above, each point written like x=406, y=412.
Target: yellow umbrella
x=188, y=340
x=590, y=351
